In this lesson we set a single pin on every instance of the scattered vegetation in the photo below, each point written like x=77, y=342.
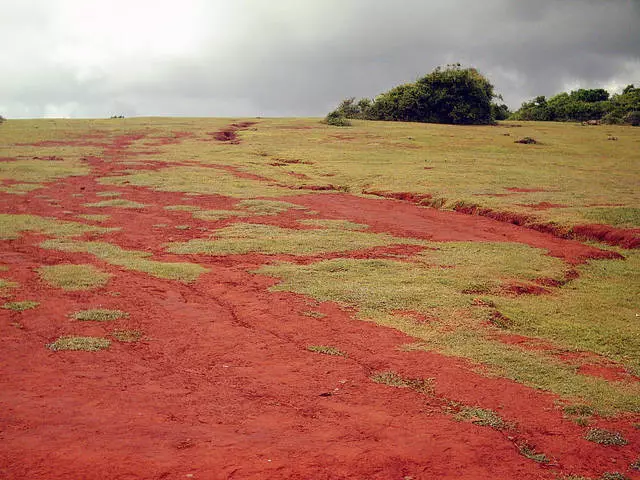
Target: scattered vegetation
x=20, y=306
x=38, y=171
x=73, y=277
x=605, y=437
x=240, y=238
x=392, y=379
x=482, y=417
x=327, y=350
x=88, y=344
x=127, y=336
x=94, y=217
x=99, y=315
x=119, y=202
x=11, y=226
x=130, y=259
x=530, y=452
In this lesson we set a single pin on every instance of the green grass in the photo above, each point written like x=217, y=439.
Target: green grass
x=201, y=180
x=38, y=171
x=333, y=224
x=11, y=226
x=433, y=285
x=20, y=306
x=116, y=202
x=108, y=194
x=130, y=259
x=242, y=238
x=94, y=217
x=325, y=349
x=99, y=315
x=73, y=277
x=88, y=344
x=268, y=207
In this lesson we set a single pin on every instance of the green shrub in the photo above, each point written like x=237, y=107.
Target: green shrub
x=336, y=119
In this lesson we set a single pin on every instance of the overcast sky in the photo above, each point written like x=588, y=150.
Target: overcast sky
x=85, y=58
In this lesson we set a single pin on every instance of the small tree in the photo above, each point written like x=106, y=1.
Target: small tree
x=632, y=118
x=2, y=119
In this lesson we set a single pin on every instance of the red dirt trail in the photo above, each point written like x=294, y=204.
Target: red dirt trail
x=222, y=386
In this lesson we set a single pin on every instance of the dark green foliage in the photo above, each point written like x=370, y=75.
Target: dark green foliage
x=632, y=118
x=2, y=119
x=451, y=94
x=337, y=119
x=500, y=112
x=583, y=105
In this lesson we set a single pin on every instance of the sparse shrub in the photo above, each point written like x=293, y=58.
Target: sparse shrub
x=336, y=119
x=614, y=476
x=530, y=452
x=605, y=437
x=127, y=335
x=20, y=306
x=527, y=141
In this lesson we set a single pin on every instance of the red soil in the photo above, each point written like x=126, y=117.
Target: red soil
x=405, y=219
x=623, y=237
x=614, y=373
x=229, y=134
x=222, y=384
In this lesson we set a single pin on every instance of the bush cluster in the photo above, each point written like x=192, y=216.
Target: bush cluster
x=584, y=105
x=450, y=94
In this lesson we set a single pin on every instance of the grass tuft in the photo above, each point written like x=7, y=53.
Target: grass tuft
x=131, y=259
x=327, y=350
x=88, y=344
x=20, y=306
x=482, y=417
x=530, y=452
x=99, y=315
x=73, y=277
x=392, y=379
x=118, y=202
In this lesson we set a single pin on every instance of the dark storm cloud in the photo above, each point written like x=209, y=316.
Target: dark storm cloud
x=285, y=57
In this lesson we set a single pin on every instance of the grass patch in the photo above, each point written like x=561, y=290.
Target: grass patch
x=73, y=277
x=37, y=171
x=605, y=437
x=243, y=238
x=182, y=208
x=617, y=216
x=94, y=217
x=108, y=194
x=127, y=336
x=482, y=417
x=11, y=226
x=268, y=207
x=392, y=379
x=130, y=259
x=117, y=202
x=327, y=350
x=7, y=283
x=528, y=451
x=201, y=180
x=20, y=306
x=88, y=344
x=314, y=314
x=432, y=284
x=333, y=224
x=99, y=315
x=20, y=188
x=182, y=227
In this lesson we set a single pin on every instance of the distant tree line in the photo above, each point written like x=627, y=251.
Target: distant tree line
x=584, y=105
x=450, y=94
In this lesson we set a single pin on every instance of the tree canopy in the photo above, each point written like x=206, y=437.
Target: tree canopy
x=583, y=105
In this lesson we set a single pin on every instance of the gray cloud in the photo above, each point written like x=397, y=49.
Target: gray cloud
x=286, y=57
